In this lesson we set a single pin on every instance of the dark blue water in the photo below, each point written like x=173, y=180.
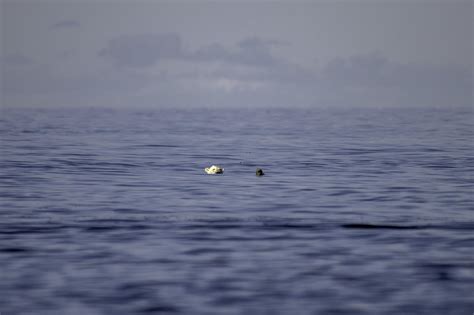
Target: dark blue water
x=360, y=212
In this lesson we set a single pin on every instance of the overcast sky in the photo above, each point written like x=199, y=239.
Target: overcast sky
x=236, y=53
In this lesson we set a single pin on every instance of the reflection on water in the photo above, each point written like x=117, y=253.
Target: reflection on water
x=110, y=212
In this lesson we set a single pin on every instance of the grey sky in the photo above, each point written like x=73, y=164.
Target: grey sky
x=236, y=53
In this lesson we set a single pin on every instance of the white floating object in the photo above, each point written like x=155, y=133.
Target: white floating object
x=214, y=170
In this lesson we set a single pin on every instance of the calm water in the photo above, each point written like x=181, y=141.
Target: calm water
x=360, y=212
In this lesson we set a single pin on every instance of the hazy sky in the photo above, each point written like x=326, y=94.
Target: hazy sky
x=236, y=53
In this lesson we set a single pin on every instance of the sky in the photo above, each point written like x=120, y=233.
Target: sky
x=244, y=54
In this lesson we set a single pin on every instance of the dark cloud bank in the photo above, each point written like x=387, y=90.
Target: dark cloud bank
x=147, y=49
x=247, y=74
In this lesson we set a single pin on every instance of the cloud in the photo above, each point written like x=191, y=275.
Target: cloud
x=159, y=70
x=144, y=50
x=375, y=70
x=16, y=59
x=360, y=80
x=252, y=42
x=38, y=84
x=369, y=69
x=251, y=51
x=374, y=78
x=65, y=24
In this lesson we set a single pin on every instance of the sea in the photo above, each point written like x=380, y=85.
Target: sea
x=360, y=211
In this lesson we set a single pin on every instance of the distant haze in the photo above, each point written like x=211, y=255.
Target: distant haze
x=236, y=53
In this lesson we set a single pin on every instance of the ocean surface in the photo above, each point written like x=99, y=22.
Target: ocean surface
x=362, y=211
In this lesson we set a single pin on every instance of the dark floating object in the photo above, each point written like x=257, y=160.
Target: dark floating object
x=381, y=226
x=259, y=172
